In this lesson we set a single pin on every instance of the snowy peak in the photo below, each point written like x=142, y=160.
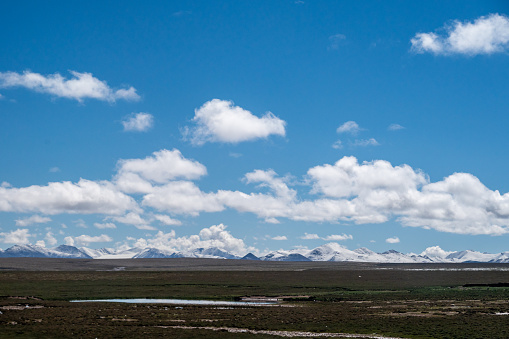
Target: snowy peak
x=28, y=251
x=326, y=252
x=153, y=253
x=70, y=251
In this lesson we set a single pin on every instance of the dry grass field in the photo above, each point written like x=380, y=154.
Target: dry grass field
x=370, y=300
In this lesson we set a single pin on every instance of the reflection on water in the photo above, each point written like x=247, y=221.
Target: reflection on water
x=179, y=302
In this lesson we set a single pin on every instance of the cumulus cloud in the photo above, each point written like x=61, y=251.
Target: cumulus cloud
x=182, y=197
x=34, y=219
x=84, y=197
x=221, y=121
x=214, y=236
x=338, y=237
x=81, y=86
x=134, y=219
x=347, y=178
x=280, y=237
x=85, y=240
x=349, y=127
x=393, y=240
x=459, y=204
x=346, y=191
x=167, y=220
x=19, y=236
x=485, y=35
x=436, y=251
x=374, y=192
x=137, y=175
x=50, y=239
x=138, y=122
x=308, y=236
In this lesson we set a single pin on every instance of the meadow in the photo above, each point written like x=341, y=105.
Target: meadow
x=370, y=300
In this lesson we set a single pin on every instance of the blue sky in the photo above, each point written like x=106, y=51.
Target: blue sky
x=289, y=123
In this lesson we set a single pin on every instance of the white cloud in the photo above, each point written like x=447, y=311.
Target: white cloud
x=105, y=225
x=166, y=220
x=138, y=122
x=349, y=127
x=136, y=175
x=134, y=219
x=69, y=241
x=365, y=142
x=40, y=243
x=182, y=197
x=459, y=204
x=80, y=223
x=81, y=86
x=371, y=192
x=393, y=240
x=346, y=178
x=435, y=251
x=19, y=236
x=34, y=219
x=338, y=237
x=335, y=41
x=214, y=236
x=54, y=170
x=395, y=127
x=337, y=145
x=84, y=197
x=51, y=240
x=221, y=121
x=280, y=237
x=346, y=191
x=84, y=240
x=486, y=35
x=308, y=236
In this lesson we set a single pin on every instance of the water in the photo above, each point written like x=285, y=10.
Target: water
x=180, y=302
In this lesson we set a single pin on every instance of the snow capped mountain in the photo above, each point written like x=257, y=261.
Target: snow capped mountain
x=154, y=253
x=501, y=258
x=71, y=252
x=470, y=256
x=327, y=252
x=30, y=251
x=281, y=255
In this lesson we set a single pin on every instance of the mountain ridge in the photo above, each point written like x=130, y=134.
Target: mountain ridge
x=326, y=252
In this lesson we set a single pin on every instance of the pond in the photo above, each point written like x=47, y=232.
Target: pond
x=181, y=302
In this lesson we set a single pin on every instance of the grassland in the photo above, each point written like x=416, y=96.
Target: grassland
x=407, y=301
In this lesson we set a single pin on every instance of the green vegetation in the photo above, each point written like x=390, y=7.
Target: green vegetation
x=354, y=299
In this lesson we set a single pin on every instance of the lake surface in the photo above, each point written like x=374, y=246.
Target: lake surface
x=180, y=302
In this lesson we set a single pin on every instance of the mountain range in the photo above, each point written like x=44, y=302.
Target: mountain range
x=326, y=252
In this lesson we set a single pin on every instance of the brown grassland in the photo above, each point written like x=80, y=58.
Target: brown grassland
x=397, y=300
